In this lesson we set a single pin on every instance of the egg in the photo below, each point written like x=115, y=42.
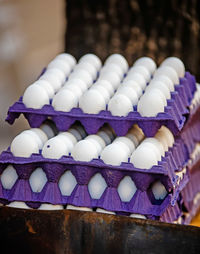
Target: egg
x=119, y=60
x=134, y=85
x=68, y=136
x=77, y=82
x=65, y=100
x=75, y=132
x=59, y=74
x=37, y=180
x=156, y=143
x=133, y=139
x=141, y=70
x=82, y=75
x=126, y=189
x=80, y=129
x=76, y=90
x=111, y=77
x=8, y=177
x=151, y=103
x=168, y=134
x=103, y=91
x=39, y=137
x=165, y=80
x=67, y=140
x=128, y=92
x=92, y=59
x=120, y=105
x=46, y=85
x=153, y=147
x=160, y=136
x=35, y=97
x=97, y=139
x=55, y=148
x=138, y=78
x=88, y=67
x=106, y=84
x=100, y=210
x=67, y=183
x=54, y=80
x=61, y=65
x=169, y=72
x=71, y=60
x=143, y=157
x=24, y=145
x=112, y=67
x=79, y=208
x=137, y=132
x=97, y=186
x=92, y=102
x=114, y=154
x=127, y=142
x=84, y=150
x=18, y=204
x=138, y=216
x=146, y=62
x=50, y=207
x=158, y=190
x=105, y=136
x=48, y=130
x=161, y=86
x=176, y=64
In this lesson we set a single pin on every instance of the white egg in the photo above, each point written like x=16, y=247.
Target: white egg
x=60, y=75
x=106, y=84
x=169, y=72
x=84, y=150
x=41, y=134
x=138, y=216
x=55, y=148
x=8, y=177
x=35, y=137
x=77, y=82
x=176, y=64
x=92, y=102
x=24, y=145
x=68, y=142
x=111, y=77
x=48, y=130
x=133, y=139
x=143, y=157
x=80, y=129
x=100, y=210
x=68, y=135
x=92, y=59
x=138, y=78
x=109, y=130
x=67, y=183
x=97, y=186
x=146, y=62
x=75, y=133
x=168, y=134
x=50, y=207
x=35, y=97
x=165, y=80
x=151, y=103
x=88, y=67
x=134, y=85
x=126, y=189
x=141, y=70
x=160, y=136
x=98, y=139
x=153, y=147
x=65, y=100
x=82, y=75
x=37, y=180
x=137, y=132
x=111, y=67
x=159, y=190
x=61, y=65
x=104, y=136
x=71, y=60
x=54, y=80
x=120, y=105
x=114, y=154
x=102, y=91
x=119, y=60
x=127, y=142
x=75, y=89
x=156, y=143
x=18, y=204
x=46, y=85
x=128, y=92
x=161, y=86
x=79, y=208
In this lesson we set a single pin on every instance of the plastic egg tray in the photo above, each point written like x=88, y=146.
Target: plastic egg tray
x=173, y=118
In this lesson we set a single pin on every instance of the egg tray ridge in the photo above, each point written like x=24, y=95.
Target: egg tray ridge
x=83, y=171
x=174, y=116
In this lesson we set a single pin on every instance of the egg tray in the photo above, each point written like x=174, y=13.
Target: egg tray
x=173, y=117
x=83, y=171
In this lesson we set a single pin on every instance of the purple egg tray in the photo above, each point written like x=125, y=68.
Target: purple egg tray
x=173, y=117
x=166, y=171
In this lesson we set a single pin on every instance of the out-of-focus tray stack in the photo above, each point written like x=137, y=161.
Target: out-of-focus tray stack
x=112, y=139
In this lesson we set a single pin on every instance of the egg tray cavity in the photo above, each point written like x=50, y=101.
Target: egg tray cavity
x=174, y=116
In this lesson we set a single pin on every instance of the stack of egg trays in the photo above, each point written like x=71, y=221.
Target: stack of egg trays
x=173, y=117
x=171, y=171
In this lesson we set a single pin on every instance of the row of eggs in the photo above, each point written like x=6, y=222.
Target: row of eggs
x=143, y=152
x=116, y=87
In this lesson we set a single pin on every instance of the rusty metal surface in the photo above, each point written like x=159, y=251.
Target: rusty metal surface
x=33, y=231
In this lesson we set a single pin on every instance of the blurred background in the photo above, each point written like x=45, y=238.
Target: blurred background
x=34, y=32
